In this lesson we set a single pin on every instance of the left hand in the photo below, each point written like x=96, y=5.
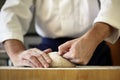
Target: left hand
x=78, y=51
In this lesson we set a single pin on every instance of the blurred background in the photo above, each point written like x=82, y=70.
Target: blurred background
x=32, y=39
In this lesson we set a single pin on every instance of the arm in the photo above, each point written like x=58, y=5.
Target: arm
x=84, y=46
x=13, y=48
x=22, y=57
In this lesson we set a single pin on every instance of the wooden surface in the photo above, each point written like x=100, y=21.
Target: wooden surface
x=80, y=73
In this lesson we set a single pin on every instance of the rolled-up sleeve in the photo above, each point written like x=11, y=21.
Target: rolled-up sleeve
x=15, y=17
x=110, y=14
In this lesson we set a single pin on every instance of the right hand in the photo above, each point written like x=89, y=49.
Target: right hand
x=32, y=58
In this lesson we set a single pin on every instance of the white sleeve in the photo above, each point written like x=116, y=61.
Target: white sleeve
x=110, y=14
x=15, y=17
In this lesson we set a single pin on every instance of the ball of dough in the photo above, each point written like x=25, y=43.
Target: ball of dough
x=59, y=61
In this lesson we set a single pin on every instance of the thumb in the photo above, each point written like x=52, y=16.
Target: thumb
x=64, y=48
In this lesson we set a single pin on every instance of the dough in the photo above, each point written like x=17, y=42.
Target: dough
x=59, y=61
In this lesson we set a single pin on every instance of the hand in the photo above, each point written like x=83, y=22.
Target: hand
x=78, y=51
x=33, y=58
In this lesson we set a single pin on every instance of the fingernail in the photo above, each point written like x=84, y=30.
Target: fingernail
x=49, y=61
x=46, y=66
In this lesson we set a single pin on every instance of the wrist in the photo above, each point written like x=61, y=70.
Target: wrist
x=98, y=32
x=13, y=47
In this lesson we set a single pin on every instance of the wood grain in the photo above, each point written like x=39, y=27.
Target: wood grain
x=80, y=73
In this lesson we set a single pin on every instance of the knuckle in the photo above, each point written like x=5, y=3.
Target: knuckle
x=67, y=42
x=39, y=55
x=60, y=47
x=28, y=51
x=35, y=49
x=31, y=57
x=74, y=56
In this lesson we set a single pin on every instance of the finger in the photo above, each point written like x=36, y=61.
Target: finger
x=67, y=55
x=35, y=61
x=39, y=55
x=43, y=61
x=46, y=59
x=30, y=64
x=47, y=50
x=25, y=56
x=31, y=56
x=62, y=49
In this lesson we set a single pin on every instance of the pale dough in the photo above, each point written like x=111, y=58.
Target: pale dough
x=59, y=61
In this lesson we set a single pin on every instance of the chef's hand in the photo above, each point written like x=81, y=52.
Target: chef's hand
x=80, y=50
x=33, y=58
x=22, y=57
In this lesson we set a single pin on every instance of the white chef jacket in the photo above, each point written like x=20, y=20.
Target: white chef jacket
x=58, y=18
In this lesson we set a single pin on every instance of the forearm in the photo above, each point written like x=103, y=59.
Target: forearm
x=13, y=47
x=98, y=32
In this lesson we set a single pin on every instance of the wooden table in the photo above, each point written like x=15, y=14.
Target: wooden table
x=78, y=73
